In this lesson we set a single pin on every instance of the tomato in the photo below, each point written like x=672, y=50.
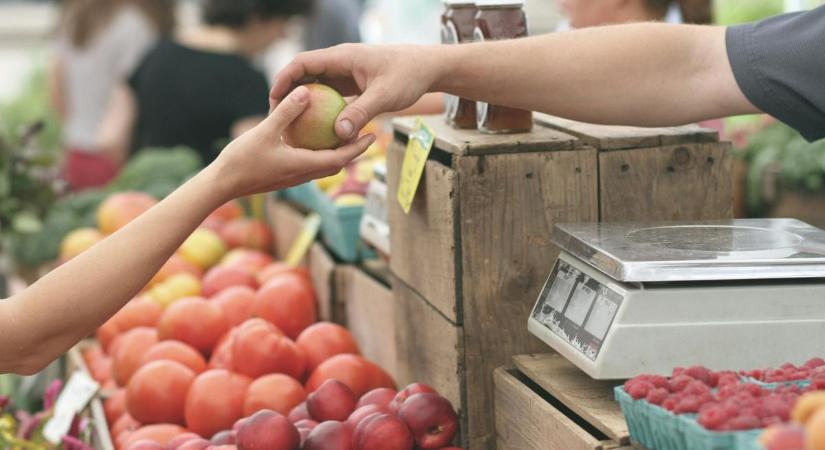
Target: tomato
x=260, y=348
x=176, y=351
x=287, y=301
x=124, y=424
x=272, y=270
x=236, y=303
x=115, y=406
x=131, y=346
x=355, y=371
x=228, y=211
x=215, y=401
x=139, y=312
x=323, y=340
x=161, y=433
x=247, y=233
x=195, y=322
x=221, y=277
x=106, y=334
x=157, y=392
x=222, y=356
x=277, y=392
x=247, y=259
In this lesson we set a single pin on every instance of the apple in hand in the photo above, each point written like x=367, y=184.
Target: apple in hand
x=315, y=127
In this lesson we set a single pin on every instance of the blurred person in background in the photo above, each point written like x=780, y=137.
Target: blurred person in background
x=200, y=89
x=98, y=43
x=592, y=13
x=332, y=22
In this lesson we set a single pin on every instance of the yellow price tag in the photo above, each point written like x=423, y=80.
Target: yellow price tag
x=418, y=147
x=304, y=240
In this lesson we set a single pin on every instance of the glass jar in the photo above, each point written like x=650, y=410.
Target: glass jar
x=497, y=20
x=458, y=27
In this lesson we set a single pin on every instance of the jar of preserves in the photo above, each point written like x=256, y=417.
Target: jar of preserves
x=458, y=27
x=496, y=20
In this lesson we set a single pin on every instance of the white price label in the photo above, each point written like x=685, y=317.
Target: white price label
x=74, y=397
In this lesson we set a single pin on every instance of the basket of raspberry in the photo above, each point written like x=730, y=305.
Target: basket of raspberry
x=702, y=409
x=812, y=372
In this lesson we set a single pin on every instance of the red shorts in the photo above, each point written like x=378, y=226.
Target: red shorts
x=85, y=170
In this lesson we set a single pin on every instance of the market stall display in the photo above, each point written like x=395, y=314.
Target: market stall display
x=465, y=258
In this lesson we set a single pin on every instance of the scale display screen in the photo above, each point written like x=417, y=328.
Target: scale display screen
x=577, y=308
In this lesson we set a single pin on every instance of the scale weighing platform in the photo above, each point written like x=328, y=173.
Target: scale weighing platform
x=627, y=299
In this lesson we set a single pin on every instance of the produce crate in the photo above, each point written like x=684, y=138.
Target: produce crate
x=340, y=225
x=474, y=249
x=546, y=403
x=287, y=222
x=101, y=439
x=369, y=308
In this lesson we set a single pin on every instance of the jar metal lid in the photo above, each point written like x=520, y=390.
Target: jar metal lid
x=481, y=3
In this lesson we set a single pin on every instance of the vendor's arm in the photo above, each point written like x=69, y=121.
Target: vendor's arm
x=638, y=74
x=70, y=302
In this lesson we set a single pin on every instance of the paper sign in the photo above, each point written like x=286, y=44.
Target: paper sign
x=304, y=240
x=418, y=148
x=74, y=397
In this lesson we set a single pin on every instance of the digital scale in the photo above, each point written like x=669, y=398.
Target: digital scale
x=627, y=299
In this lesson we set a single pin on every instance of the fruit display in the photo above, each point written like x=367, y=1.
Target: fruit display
x=223, y=350
x=729, y=408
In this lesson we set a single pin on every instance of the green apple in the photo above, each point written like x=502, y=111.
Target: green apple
x=315, y=127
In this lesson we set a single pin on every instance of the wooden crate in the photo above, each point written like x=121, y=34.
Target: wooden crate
x=368, y=306
x=287, y=221
x=474, y=250
x=545, y=402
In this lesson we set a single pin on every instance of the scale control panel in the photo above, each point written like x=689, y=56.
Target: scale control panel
x=577, y=308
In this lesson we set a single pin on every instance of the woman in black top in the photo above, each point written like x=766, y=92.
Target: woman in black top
x=200, y=89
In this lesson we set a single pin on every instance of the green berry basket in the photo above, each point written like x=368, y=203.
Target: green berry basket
x=657, y=428
x=340, y=225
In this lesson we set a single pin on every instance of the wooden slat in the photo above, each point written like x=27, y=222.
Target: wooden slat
x=322, y=272
x=370, y=314
x=611, y=137
x=680, y=182
x=526, y=421
x=428, y=346
x=508, y=205
x=423, y=241
x=591, y=399
x=472, y=142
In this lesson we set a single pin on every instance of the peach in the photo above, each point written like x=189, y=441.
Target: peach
x=315, y=127
x=431, y=418
x=783, y=437
x=329, y=435
x=119, y=209
x=247, y=233
x=380, y=396
x=807, y=405
x=332, y=400
x=219, y=278
x=180, y=439
x=815, y=431
x=407, y=392
x=382, y=432
x=267, y=430
x=299, y=413
x=78, y=241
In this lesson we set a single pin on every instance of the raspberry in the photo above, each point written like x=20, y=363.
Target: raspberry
x=727, y=379
x=677, y=371
x=813, y=363
x=670, y=403
x=639, y=389
x=696, y=387
x=688, y=404
x=818, y=384
x=744, y=422
x=657, y=395
x=787, y=366
x=713, y=417
x=728, y=390
x=700, y=373
x=679, y=382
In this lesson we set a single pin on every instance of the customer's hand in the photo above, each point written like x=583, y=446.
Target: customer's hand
x=386, y=78
x=259, y=160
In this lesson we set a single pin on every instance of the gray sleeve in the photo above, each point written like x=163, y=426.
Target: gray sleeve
x=779, y=63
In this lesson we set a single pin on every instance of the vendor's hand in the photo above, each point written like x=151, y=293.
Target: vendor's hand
x=385, y=78
x=259, y=161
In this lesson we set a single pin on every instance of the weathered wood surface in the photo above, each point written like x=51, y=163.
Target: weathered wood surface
x=678, y=182
x=591, y=399
x=370, y=317
x=423, y=241
x=472, y=142
x=508, y=205
x=611, y=137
